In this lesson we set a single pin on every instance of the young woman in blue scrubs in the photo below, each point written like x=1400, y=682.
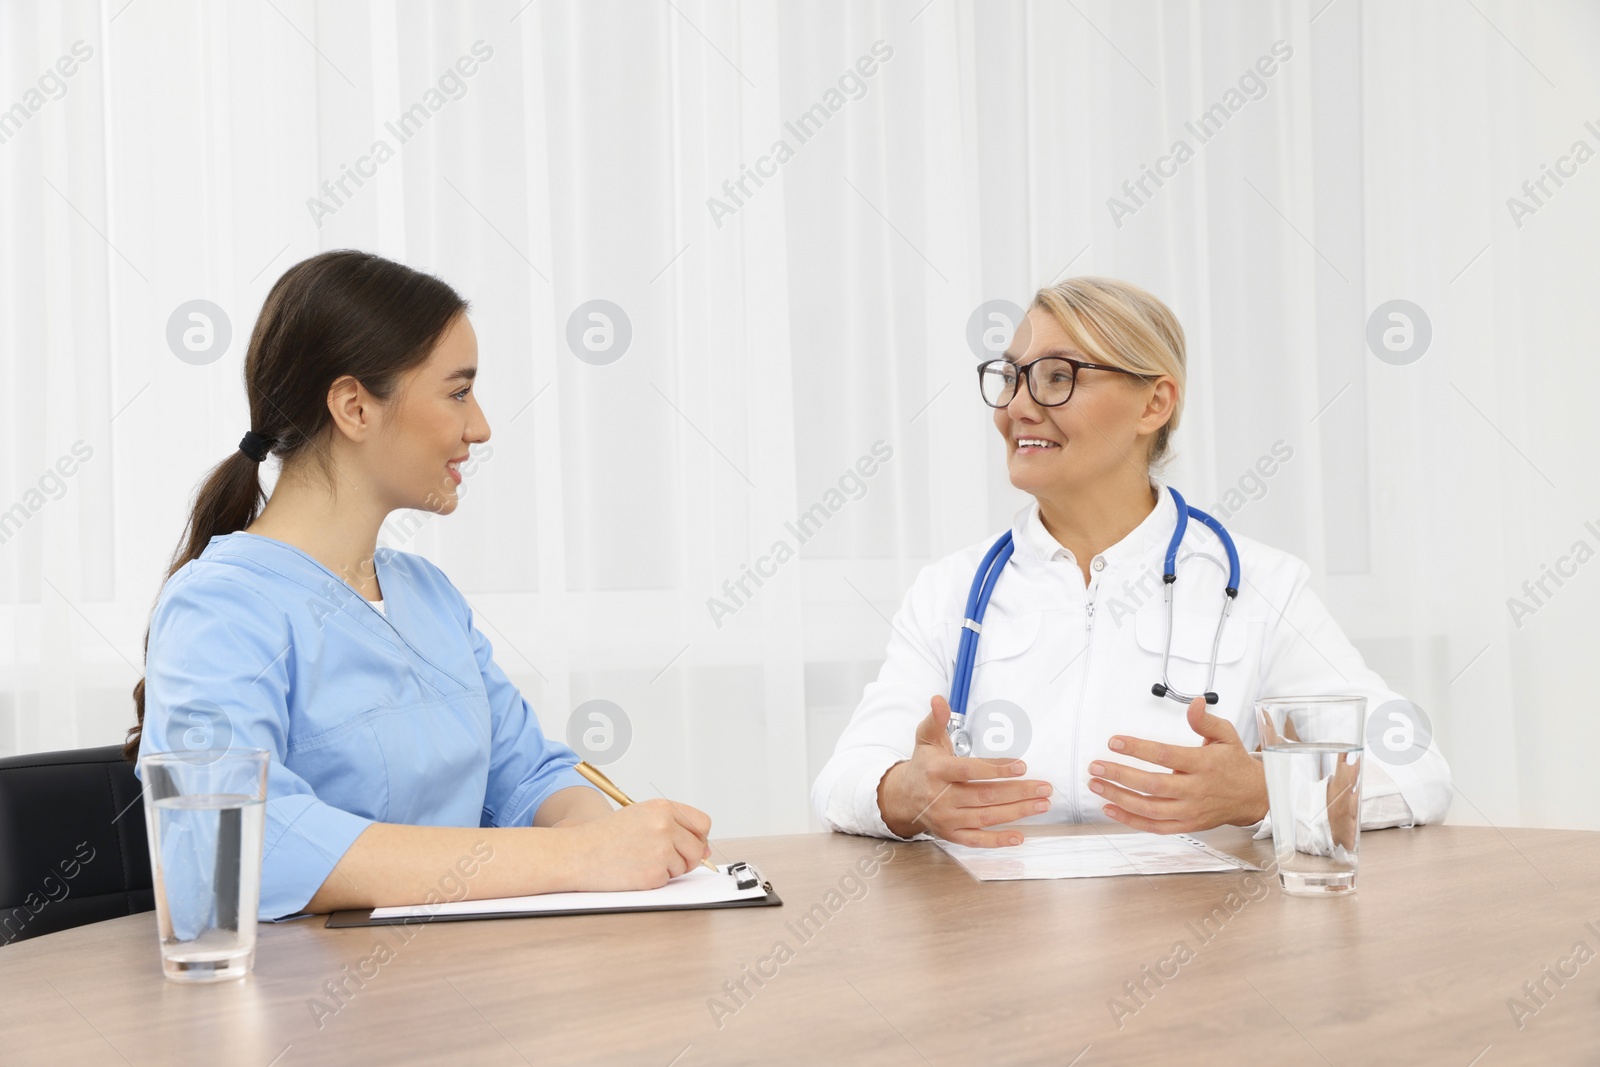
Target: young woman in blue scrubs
x=398, y=747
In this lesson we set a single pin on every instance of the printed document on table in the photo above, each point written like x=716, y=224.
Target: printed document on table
x=1094, y=856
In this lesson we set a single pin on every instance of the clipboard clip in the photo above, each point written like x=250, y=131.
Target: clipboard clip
x=744, y=875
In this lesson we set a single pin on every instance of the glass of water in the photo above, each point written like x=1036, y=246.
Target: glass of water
x=205, y=812
x=1311, y=749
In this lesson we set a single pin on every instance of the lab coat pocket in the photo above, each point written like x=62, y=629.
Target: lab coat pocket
x=1002, y=636
x=1192, y=637
x=1159, y=718
x=1193, y=633
x=997, y=667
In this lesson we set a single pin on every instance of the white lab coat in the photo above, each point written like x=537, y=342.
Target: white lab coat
x=1079, y=663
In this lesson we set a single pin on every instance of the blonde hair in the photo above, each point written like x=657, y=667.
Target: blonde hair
x=1119, y=324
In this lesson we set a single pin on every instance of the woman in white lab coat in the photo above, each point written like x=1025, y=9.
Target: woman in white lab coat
x=1073, y=637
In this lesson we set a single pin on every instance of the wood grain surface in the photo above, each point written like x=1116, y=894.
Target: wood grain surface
x=916, y=963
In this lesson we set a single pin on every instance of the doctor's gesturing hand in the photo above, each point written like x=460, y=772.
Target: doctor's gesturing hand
x=1213, y=784
x=956, y=797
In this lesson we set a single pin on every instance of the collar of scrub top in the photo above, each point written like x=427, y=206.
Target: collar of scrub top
x=395, y=623
x=988, y=573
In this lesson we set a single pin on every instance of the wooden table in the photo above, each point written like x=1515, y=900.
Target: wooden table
x=918, y=964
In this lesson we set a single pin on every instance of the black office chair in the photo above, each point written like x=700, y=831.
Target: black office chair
x=72, y=842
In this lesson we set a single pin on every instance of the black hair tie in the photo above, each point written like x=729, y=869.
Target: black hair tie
x=255, y=445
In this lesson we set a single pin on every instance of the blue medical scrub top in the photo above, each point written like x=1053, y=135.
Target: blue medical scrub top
x=403, y=718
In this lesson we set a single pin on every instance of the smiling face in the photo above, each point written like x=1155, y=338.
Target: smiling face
x=1105, y=430
x=429, y=422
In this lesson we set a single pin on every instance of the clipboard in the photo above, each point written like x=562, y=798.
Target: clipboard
x=767, y=899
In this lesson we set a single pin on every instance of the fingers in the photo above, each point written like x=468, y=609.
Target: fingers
x=963, y=812
x=682, y=829
x=1346, y=771
x=694, y=820
x=935, y=729
x=999, y=814
x=1209, y=726
x=984, y=838
x=1152, y=783
x=673, y=814
x=954, y=768
x=1148, y=825
x=1005, y=764
x=690, y=837
x=989, y=793
x=1163, y=808
x=1341, y=788
x=689, y=850
x=1175, y=757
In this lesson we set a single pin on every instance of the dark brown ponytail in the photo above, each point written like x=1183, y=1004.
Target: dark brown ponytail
x=335, y=314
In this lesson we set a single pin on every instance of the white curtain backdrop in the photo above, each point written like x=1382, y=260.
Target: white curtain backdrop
x=778, y=332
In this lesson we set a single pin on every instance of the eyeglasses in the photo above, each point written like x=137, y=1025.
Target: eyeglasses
x=1051, y=379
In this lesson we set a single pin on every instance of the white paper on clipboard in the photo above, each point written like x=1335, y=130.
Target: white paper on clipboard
x=1094, y=856
x=698, y=886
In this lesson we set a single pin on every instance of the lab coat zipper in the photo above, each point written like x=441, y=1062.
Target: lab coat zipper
x=1083, y=688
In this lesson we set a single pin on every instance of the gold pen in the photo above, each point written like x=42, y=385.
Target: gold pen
x=605, y=785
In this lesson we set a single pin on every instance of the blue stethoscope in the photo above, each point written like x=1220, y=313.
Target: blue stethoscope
x=994, y=561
